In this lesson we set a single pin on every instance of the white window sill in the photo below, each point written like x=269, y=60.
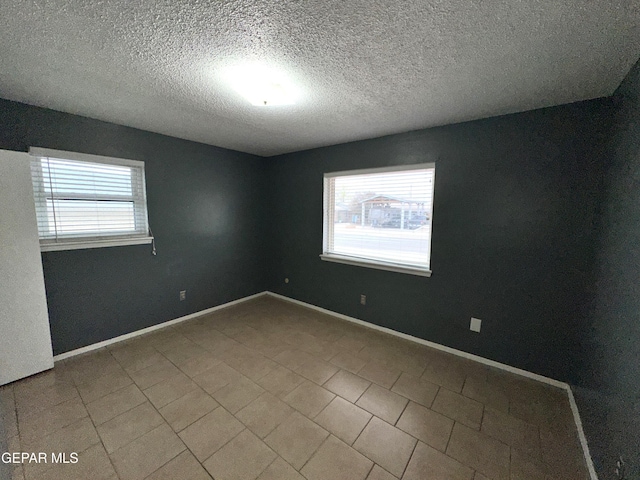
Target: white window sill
x=360, y=262
x=76, y=245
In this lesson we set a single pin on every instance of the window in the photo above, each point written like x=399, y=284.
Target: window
x=380, y=218
x=86, y=201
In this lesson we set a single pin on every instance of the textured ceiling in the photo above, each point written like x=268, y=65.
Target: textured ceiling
x=365, y=68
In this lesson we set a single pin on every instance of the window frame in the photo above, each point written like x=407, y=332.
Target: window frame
x=327, y=225
x=138, y=198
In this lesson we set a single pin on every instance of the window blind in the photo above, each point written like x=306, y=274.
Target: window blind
x=381, y=215
x=80, y=197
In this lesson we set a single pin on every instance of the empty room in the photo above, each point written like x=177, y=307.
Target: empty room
x=284, y=240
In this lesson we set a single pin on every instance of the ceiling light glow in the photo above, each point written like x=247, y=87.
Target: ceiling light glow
x=262, y=86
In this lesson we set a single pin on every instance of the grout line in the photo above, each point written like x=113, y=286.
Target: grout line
x=372, y=466
x=319, y=447
x=446, y=447
x=410, y=457
x=363, y=429
x=403, y=410
x=435, y=396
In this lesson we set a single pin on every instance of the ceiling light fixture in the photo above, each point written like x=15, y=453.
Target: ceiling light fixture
x=262, y=86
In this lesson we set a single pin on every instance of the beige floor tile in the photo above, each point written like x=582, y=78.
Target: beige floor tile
x=127, y=350
x=93, y=463
x=85, y=368
x=271, y=348
x=523, y=467
x=431, y=427
x=296, y=439
x=147, y=454
x=13, y=443
x=244, y=457
x=238, y=394
x=512, y=431
x=379, y=473
x=77, y=437
x=144, y=359
x=347, y=385
x=350, y=343
x=255, y=367
x=183, y=353
x=169, y=390
x=479, y=451
x=31, y=402
x=383, y=375
x=479, y=476
x=280, y=381
x=338, y=461
x=264, y=414
x=59, y=374
x=211, y=432
x=485, y=393
x=426, y=462
x=410, y=360
x=317, y=371
x=48, y=421
x=347, y=361
x=309, y=399
x=217, y=377
x=8, y=422
x=16, y=472
x=153, y=374
x=382, y=403
x=443, y=372
x=198, y=364
x=343, y=419
x=169, y=340
x=386, y=445
x=183, y=467
x=125, y=428
x=293, y=359
x=548, y=409
x=280, y=470
x=187, y=409
x=562, y=453
x=459, y=408
x=416, y=389
x=115, y=403
x=104, y=385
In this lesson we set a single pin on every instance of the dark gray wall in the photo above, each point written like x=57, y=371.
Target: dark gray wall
x=609, y=394
x=516, y=200
x=203, y=204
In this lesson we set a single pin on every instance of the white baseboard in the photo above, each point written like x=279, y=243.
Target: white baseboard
x=469, y=356
x=143, y=331
x=581, y=435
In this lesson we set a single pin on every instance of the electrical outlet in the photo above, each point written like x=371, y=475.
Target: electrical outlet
x=363, y=299
x=475, y=324
x=183, y=295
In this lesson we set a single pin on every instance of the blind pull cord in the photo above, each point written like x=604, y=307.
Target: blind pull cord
x=154, y=252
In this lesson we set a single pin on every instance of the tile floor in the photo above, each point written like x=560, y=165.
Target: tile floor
x=272, y=391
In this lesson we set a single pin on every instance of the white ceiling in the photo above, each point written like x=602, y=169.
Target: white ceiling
x=366, y=68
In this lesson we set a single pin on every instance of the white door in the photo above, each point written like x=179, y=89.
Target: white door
x=25, y=339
